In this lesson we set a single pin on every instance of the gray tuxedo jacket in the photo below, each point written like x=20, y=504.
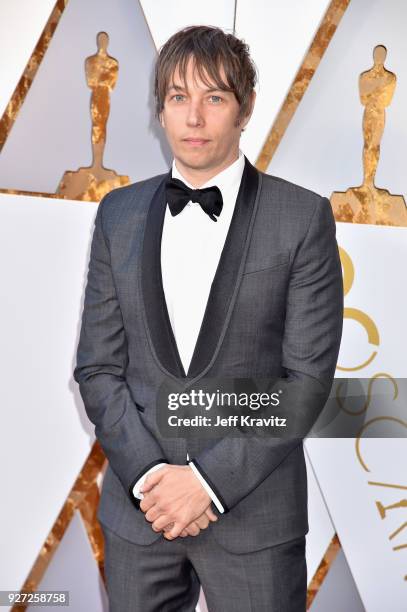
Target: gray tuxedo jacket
x=275, y=308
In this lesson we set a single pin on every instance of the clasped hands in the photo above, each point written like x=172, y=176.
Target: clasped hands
x=175, y=502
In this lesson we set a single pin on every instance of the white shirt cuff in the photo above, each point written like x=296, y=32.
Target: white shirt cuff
x=139, y=483
x=207, y=488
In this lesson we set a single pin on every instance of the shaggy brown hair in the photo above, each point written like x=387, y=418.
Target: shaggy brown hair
x=210, y=49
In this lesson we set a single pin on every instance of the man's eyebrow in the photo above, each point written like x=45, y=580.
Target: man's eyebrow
x=175, y=86
x=208, y=89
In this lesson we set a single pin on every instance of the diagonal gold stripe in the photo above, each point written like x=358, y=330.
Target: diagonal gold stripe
x=83, y=497
x=301, y=81
x=88, y=510
x=24, y=84
x=323, y=569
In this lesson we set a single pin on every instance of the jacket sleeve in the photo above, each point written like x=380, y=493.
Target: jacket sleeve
x=235, y=466
x=100, y=370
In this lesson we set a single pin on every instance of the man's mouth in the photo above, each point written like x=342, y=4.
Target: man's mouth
x=196, y=142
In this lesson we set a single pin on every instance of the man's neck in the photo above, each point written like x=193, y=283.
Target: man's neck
x=199, y=176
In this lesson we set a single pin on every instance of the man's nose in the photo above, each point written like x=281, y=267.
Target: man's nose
x=195, y=116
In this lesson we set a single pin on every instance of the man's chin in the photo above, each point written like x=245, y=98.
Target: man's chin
x=196, y=161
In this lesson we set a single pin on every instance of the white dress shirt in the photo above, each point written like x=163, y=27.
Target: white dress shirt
x=191, y=246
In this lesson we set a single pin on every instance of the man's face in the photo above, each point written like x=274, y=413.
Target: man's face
x=201, y=122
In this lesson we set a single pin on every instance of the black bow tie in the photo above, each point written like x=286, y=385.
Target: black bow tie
x=179, y=194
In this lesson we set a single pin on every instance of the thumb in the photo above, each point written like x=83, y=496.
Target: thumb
x=151, y=480
x=210, y=514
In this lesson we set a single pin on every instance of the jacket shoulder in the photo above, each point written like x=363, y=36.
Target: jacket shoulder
x=122, y=202
x=128, y=192
x=294, y=206
x=290, y=193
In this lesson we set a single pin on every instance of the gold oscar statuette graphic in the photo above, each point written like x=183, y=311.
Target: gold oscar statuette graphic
x=368, y=203
x=91, y=183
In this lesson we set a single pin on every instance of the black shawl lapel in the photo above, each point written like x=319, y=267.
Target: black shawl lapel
x=222, y=289
x=158, y=322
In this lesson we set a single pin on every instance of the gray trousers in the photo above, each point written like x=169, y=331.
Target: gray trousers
x=166, y=576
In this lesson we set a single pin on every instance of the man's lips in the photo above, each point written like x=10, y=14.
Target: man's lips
x=195, y=141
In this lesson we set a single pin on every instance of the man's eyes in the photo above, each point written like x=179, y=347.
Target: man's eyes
x=179, y=97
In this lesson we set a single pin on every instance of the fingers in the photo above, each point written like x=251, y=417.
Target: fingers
x=153, y=479
x=183, y=533
x=202, y=521
x=192, y=529
x=147, y=502
x=210, y=514
x=161, y=522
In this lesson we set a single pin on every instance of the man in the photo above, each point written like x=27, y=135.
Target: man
x=210, y=270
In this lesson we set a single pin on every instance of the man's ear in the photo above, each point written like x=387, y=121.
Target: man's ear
x=161, y=118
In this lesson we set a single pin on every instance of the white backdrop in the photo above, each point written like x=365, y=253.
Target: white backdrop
x=45, y=247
